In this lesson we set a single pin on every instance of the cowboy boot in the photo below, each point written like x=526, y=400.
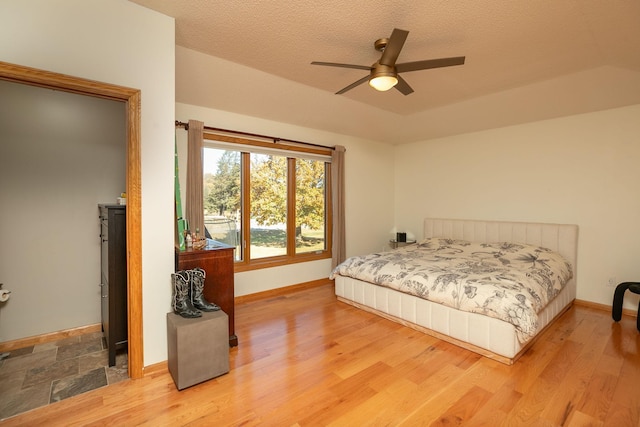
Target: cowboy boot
x=197, y=276
x=181, y=302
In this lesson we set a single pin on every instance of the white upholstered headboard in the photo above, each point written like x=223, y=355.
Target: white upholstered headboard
x=562, y=238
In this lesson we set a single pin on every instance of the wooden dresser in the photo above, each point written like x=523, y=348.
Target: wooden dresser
x=217, y=262
x=113, y=235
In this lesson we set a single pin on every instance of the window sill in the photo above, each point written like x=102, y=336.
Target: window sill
x=258, y=264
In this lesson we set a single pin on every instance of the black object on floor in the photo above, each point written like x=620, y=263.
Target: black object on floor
x=618, y=297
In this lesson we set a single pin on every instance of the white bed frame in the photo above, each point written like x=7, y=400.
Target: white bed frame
x=487, y=336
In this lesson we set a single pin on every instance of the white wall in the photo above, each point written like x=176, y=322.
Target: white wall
x=368, y=175
x=581, y=170
x=61, y=154
x=118, y=42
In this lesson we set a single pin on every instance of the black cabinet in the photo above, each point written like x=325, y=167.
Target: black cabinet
x=113, y=234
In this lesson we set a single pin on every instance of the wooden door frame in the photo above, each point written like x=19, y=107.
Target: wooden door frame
x=131, y=98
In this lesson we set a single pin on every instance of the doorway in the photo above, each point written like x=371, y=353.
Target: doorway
x=131, y=98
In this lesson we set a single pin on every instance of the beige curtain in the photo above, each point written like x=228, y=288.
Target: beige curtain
x=194, y=212
x=337, y=190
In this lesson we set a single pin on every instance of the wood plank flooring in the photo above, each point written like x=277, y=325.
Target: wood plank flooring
x=306, y=359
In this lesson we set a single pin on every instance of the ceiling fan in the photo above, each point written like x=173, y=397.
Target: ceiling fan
x=385, y=73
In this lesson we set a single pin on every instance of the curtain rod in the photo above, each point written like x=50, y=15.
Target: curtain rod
x=255, y=135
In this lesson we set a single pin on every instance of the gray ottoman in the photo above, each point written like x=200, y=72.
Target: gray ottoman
x=198, y=349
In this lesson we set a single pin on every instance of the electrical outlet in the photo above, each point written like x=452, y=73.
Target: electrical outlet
x=612, y=282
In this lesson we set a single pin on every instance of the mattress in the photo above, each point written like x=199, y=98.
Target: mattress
x=488, y=336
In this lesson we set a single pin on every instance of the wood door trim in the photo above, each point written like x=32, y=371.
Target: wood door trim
x=131, y=97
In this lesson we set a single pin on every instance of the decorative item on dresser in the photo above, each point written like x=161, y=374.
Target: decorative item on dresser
x=113, y=235
x=217, y=261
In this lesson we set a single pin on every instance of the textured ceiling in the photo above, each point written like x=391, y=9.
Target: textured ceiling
x=509, y=45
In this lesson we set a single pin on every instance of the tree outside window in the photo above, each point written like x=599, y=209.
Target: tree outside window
x=286, y=196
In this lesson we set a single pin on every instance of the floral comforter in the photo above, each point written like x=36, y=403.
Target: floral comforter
x=508, y=281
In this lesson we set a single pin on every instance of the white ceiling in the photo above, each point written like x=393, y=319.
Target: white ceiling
x=525, y=60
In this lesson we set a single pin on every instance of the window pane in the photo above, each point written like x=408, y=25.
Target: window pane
x=310, y=206
x=268, y=203
x=222, y=197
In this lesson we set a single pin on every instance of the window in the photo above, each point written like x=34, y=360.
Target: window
x=273, y=205
x=222, y=196
x=310, y=205
x=268, y=205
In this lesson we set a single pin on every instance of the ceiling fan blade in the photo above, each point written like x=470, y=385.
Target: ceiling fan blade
x=403, y=86
x=429, y=63
x=393, y=48
x=352, y=85
x=335, y=64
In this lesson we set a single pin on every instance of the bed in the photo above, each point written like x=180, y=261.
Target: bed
x=479, y=330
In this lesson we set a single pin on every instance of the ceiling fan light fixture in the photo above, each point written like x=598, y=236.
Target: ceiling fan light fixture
x=384, y=74
x=383, y=77
x=383, y=83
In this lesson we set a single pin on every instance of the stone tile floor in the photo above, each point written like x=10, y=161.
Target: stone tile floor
x=46, y=373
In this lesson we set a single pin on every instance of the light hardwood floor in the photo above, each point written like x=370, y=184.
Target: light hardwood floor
x=306, y=359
